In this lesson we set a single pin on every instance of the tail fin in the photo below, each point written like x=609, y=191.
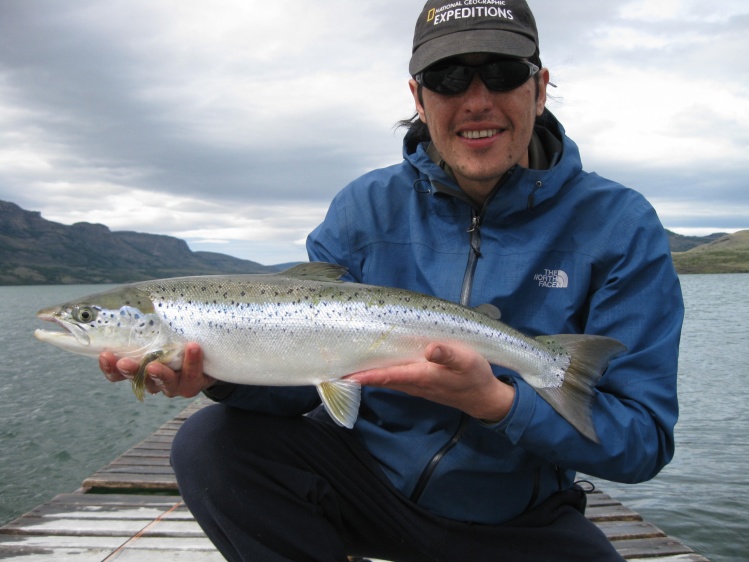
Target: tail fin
x=589, y=357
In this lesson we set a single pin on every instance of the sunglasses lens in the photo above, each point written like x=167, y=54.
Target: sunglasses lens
x=448, y=78
x=499, y=76
x=503, y=76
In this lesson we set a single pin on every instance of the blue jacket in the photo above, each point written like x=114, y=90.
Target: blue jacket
x=557, y=251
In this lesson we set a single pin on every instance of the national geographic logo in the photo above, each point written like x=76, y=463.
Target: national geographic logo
x=469, y=9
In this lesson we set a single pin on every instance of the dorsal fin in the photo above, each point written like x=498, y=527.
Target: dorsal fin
x=315, y=271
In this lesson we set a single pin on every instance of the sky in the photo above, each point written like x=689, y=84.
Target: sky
x=231, y=124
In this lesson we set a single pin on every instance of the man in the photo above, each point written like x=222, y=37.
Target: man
x=452, y=459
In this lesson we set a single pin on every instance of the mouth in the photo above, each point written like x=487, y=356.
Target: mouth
x=479, y=134
x=69, y=337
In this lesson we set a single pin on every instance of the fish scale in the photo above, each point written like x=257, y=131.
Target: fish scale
x=306, y=327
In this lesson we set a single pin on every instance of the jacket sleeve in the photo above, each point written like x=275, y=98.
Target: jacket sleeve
x=635, y=298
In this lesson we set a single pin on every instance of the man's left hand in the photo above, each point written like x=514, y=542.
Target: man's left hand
x=451, y=375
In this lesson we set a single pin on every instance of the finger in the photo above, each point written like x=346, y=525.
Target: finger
x=126, y=368
x=189, y=381
x=392, y=376
x=453, y=357
x=192, y=367
x=108, y=366
x=161, y=379
x=193, y=379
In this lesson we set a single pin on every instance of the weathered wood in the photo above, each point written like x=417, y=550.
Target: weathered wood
x=128, y=526
x=145, y=466
x=616, y=512
x=662, y=547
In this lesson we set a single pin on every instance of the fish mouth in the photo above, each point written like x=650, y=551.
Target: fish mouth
x=72, y=336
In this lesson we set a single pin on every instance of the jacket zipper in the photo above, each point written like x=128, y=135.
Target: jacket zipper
x=465, y=297
x=473, y=257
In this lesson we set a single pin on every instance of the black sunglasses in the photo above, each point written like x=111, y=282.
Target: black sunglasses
x=499, y=75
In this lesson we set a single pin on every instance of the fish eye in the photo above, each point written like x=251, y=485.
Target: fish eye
x=84, y=314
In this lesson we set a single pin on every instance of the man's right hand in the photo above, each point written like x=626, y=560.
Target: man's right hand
x=187, y=382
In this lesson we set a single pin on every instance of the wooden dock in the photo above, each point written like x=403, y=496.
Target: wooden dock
x=131, y=510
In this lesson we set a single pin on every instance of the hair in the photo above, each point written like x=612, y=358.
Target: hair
x=418, y=132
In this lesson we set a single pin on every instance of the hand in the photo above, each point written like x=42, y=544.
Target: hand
x=451, y=375
x=187, y=382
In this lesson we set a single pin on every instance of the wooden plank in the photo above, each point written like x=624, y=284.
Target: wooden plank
x=136, y=469
x=129, y=482
x=663, y=547
x=617, y=512
x=599, y=499
x=141, y=461
x=624, y=530
x=690, y=557
x=111, y=543
x=79, y=500
x=116, y=527
x=50, y=554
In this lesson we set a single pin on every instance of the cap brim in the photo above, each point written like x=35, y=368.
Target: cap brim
x=475, y=41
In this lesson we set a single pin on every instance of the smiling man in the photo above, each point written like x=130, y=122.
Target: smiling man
x=451, y=458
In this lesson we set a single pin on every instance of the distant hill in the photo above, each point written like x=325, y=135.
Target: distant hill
x=681, y=243
x=727, y=254
x=35, y=251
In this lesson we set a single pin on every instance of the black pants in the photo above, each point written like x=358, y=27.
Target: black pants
x=272, y=489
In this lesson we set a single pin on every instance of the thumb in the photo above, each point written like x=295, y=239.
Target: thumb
x=453, y=357
x=441, y=354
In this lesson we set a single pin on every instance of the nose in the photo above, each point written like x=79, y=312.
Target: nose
x=477, y=97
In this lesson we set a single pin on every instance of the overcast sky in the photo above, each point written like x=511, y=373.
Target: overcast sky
x=232, y=123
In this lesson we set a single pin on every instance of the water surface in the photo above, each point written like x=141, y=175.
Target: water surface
x=61, y=420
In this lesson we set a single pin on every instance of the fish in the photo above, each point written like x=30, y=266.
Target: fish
x=306, y=326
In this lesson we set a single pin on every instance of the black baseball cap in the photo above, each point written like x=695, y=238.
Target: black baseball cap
x=447, y=28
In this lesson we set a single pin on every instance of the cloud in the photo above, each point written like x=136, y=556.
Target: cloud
x=232, y=124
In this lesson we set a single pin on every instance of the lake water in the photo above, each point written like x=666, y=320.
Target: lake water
x=60, y=420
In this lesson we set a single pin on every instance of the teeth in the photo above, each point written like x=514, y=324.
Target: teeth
x=479, y=134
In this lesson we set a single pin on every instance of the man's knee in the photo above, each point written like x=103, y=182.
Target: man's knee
x=197, y=446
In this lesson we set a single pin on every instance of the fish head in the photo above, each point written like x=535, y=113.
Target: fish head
x=121, y=320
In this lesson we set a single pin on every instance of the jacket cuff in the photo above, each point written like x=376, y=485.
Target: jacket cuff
x=220, y=391
x=517, y=420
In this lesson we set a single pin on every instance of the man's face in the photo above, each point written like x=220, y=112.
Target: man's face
x=481, y=134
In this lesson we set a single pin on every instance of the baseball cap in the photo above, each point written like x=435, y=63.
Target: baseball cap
x=447, y=28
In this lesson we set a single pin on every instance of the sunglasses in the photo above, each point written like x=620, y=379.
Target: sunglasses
x=499, y=75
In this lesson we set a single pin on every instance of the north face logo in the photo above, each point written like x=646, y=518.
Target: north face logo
x=552, y=279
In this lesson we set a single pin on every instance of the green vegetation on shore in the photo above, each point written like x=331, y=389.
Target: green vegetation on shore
x=728, y=254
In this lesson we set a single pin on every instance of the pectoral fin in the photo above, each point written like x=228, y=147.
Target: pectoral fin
x=341, y=399
x=139, y=380
x=167, y=354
